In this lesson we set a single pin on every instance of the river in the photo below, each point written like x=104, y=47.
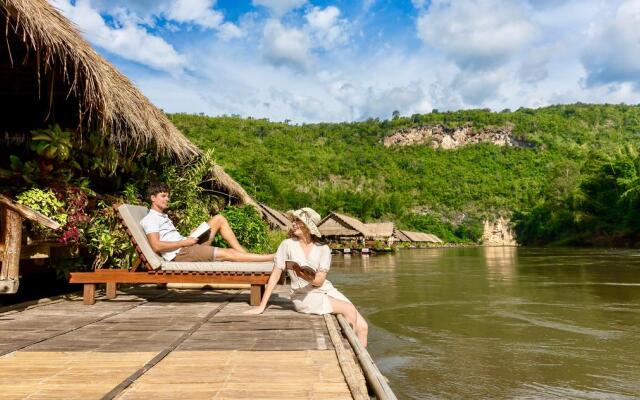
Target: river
x=501, y=322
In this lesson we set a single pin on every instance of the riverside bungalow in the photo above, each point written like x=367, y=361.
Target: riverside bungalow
x=416, y=237
x=352, y=232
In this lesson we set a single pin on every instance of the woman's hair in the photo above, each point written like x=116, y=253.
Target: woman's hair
x=303, y=227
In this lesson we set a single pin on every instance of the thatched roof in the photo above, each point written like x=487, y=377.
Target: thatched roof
x=380, y=230
x=401, y=236
x=349, y=226
x=79, y=84
x=224, y=182
x=276, y=219
x=418, y=237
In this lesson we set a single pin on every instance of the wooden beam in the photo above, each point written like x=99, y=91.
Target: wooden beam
x=28, y=213
x=124, y=276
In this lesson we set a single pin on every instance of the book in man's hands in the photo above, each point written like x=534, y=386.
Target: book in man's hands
x=200, y=230
x=307, y=269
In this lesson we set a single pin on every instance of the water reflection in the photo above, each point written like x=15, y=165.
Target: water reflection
x=501, y=262
x=501, y=322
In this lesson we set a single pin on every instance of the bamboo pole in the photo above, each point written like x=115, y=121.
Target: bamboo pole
x=374, y=377
x=357, y=387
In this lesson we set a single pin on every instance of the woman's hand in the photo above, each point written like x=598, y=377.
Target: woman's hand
x=254, y=311
x=302, y=274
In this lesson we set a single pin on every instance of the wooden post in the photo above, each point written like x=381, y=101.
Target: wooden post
x=89, y=294
x=111, y=290
x=12, y=239
x=256, y=294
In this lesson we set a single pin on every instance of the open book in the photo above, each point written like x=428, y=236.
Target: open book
x=200, y=230
x=290, y=264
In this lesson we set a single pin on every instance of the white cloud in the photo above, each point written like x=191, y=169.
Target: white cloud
x=326, y=26
x=279, y=7
x=199, y=12
x=476, y=33
x=533, y=67
x=230, y=31
x=614, y=51
x=288, y=46
x=476, y=87
x=129, y=40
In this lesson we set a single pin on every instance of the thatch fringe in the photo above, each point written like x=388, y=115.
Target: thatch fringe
x=221, y=179
x=107, y=99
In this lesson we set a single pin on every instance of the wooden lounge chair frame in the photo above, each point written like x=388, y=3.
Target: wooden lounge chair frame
x=142, y=271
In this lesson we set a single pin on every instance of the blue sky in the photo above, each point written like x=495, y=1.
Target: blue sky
x=310, y=61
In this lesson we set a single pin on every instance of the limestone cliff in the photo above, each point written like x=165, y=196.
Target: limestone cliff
x=498, y=233
x=440, y=136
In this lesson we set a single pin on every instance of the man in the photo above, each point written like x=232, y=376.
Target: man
x=165, y=239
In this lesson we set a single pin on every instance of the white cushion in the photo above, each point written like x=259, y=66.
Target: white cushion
x=217, y=266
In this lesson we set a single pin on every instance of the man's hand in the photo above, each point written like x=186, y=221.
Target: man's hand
x=189, y=241
x=254, y=311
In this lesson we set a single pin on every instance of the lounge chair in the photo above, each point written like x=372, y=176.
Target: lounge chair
x=151, y=268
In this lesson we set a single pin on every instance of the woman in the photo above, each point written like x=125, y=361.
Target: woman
x=310, y=295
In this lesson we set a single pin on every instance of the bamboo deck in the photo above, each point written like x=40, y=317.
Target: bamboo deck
x=164, y=344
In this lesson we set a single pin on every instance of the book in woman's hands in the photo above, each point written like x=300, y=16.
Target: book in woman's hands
x=200, y=230
x=307, y=269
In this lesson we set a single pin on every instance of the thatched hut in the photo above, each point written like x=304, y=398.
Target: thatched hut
x=342, y=228
x=416, y=237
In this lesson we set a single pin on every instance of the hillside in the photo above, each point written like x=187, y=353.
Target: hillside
x=347, y=167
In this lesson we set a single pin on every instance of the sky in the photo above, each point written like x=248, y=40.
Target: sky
x=328, y=61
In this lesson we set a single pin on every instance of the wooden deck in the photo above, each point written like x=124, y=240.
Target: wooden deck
x=156, y=344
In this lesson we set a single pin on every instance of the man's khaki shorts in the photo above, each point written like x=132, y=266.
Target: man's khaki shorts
x=196, y=253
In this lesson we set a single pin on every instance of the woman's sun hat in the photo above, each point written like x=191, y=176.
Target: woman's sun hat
x=309, y=218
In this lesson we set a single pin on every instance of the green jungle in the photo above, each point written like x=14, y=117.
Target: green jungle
x=577, y=182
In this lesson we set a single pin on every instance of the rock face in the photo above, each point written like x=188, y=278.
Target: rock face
x=498, y=233
x=440, y=136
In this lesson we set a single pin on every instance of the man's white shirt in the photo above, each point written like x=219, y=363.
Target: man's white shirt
x=158, y=222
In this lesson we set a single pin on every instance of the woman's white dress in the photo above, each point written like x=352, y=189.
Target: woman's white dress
x=307, y=298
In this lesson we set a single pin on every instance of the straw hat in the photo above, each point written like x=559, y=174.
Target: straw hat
x=309, y=218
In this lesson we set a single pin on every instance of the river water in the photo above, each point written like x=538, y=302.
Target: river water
x=501, y=322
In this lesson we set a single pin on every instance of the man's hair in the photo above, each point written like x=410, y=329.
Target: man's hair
x=157, y=187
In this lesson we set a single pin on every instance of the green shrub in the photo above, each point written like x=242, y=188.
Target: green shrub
x=250, y=229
